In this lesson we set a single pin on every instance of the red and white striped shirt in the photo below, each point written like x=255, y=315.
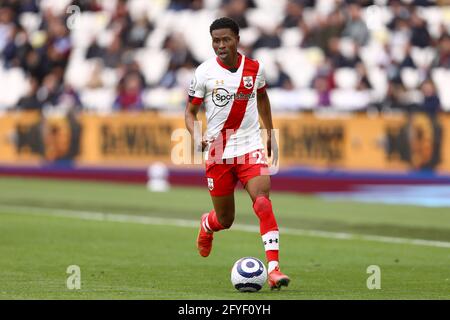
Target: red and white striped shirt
x=230, y=103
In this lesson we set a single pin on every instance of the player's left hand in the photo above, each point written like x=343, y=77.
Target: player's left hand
x=272, y=149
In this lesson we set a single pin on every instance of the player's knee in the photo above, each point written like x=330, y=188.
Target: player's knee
x=227, y=224
x=262, y=206
x=227, y=221
x=260, y=194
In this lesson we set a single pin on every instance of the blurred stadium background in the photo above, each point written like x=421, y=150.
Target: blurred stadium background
x=94, y=90
x=359, y=89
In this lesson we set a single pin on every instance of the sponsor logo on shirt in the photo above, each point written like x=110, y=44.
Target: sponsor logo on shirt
x=221, y=97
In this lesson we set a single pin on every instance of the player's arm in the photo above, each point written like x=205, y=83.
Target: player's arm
x=265, y=113
x=196, y=94
x=264, y=109
x=190, y=117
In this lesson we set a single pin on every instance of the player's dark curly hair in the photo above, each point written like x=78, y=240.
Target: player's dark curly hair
x=224, y=23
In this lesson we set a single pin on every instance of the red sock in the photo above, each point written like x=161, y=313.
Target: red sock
x=212, y=223
x=272, y=255
x=268, y=227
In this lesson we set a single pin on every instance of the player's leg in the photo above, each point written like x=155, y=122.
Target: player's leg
x=223, y=215
x=258, y=188
x=221, y=184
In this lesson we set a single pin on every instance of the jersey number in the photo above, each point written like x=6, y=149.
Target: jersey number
x=259, y=157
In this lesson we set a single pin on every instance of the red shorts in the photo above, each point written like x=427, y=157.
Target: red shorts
x=223, y=176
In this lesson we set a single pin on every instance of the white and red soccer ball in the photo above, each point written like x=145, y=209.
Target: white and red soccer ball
x=248, y=274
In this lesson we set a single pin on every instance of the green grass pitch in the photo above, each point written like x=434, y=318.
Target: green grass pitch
x=46, y=226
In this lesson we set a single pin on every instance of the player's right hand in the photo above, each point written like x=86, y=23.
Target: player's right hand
x=204, y=145
x=272, y=150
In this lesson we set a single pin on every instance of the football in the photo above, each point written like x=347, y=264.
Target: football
x=248, y=274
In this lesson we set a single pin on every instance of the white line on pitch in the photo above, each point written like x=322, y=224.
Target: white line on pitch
x=113, y=217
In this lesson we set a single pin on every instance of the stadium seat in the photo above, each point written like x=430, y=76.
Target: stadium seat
x=2, y=70
x=347, y=47
x=3, y=102
x=379, y=81
x=30, y=21
x=441, y=79
x=109, y=77
x=434, y=18
x=79, y=69
x=155, y=98
x=291, y=37
x=183, y=19
x=325, y=7
x=138, y=8
x=211, y=4
x=153, y=64
x=269, y=60
x=410, y=77
x=293, y=100
x=98, y=100
x=346, y=78
x=197, y=35
x=88, y=26
x=349, y=100
x=274, y=7
x=413, y=96
x=310, y=15
x=155, y=40
x=57, y=6
x=423, y=57
x=439, y=76
x=264, y=19
x=105, y=38
x=14, y=86
x=165, y=99
x=376, y=17
x=444, y=96
x=110, y=5
x=314, y=56
x=373, y=54
x=290, y=60
x=184, y=78
x=248, y=36
x=398, y=52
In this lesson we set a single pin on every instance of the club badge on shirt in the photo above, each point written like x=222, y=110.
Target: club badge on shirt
x=248, y=82
x=210, y=184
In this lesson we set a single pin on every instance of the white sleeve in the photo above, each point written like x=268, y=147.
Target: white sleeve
x=260, y=77
x=197, y=86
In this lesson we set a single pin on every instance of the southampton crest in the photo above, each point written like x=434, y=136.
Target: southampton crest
x=248, y=82
x=210, y=184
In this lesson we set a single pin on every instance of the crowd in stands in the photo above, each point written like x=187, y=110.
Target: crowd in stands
x=106, y=55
